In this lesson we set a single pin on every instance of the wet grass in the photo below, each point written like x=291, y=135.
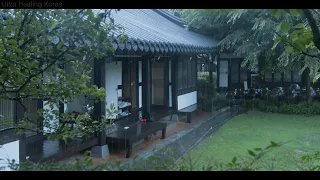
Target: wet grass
x=256, y=130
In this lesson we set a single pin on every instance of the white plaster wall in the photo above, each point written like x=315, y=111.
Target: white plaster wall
x=140, y=96
x=52, y=121
x=9, y=151
x=170, y=96
x=119, y=92
x=113, y=78
x=186, y=100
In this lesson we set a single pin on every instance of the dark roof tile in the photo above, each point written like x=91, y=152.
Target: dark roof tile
x=149, y=25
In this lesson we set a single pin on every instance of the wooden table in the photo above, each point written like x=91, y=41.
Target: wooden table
x=136, y=132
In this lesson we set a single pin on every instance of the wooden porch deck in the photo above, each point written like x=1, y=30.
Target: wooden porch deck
x=53, y=150
x=37, y=148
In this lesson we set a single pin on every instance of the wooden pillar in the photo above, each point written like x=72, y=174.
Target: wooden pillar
x=196, y=70
x=23, y=148
x=99, y=107
x=210, y=70
x=146, y=84
x=174, y=82
x=218, y=72
x=166, y=82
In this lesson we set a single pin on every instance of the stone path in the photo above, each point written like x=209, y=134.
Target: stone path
x=174, y=147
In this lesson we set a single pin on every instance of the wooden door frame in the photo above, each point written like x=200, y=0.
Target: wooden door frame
x=165, y=62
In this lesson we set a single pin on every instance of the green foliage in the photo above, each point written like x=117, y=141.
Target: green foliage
x=48, y=55
x=204, y=76
x=153, y=163
x=316, y=77
x=272, y=39
x=303, y=108
x=206, y=92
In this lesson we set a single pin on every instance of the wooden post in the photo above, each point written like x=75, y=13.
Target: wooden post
x=211, y=71
x=218, y=72
x=146, y=84
x=99, y=108
x=166, y=82
x=174, y=82
x=23, y=148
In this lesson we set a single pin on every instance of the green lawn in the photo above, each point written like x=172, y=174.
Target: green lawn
x=256, y=130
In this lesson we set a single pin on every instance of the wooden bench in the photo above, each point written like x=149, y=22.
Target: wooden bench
x=134, y=133
x=188, y=110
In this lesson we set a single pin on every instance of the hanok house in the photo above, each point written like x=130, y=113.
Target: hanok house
x=231, y=75
x=155, y=71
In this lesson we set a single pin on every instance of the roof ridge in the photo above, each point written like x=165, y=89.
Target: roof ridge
x=178, y=21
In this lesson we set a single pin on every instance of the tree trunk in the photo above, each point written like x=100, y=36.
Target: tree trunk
x=314, y=27
x=307, y=81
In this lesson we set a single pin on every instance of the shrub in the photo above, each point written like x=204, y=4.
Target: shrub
x=303, y=108
x=206, y=94
x=206, y=89
x=205, y=76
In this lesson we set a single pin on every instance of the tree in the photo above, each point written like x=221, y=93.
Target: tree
x=269, y=39
x=302, y=39
x=36, y=46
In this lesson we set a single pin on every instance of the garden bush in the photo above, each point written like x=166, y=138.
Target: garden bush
x=302, y=108
x=206, y=94
x=205, y=76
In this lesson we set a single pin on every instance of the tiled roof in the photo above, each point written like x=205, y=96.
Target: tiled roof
x=154, y=26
